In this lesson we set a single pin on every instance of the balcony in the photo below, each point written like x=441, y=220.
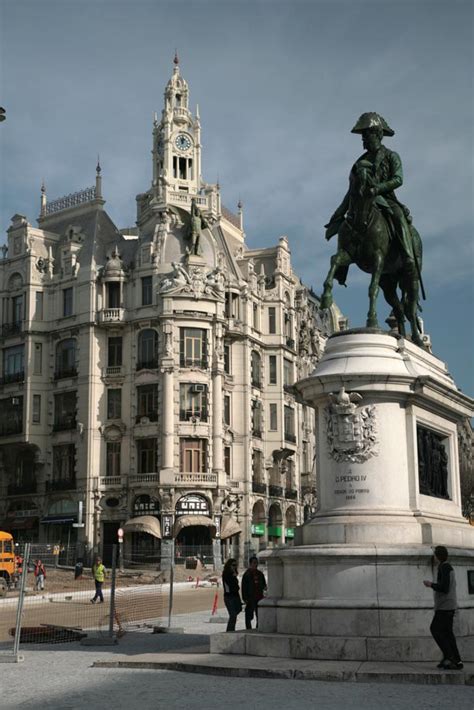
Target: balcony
x=143, y=478
x=207, y=480
x=290, y=437
x=258, y=487
x=65, y=423
x=111, y=316
x=10, y=377
x=150, y=416
x=291, y=493
x=11, y=428
x=61, y=484
x=66, y=372
x=275, y=491
x=290, y=343
x=257, y=433
x=200, y=363
x=188, y=415
x=256, y=382
x=147, y=364
x=112, y=371
x=8, y=329
x=14, y=489
x=111, y=482
x=308, y=490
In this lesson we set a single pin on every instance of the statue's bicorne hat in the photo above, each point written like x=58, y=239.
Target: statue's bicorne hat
x=372, y=120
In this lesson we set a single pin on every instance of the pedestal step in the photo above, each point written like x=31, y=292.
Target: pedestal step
x=350, y=648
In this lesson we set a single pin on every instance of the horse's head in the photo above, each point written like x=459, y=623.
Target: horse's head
x=360, y=192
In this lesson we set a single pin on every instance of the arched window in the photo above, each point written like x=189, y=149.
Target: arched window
x=147, y=349
x=65, y=358
x=256, y=369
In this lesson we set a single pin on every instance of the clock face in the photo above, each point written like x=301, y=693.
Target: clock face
x=183, y=142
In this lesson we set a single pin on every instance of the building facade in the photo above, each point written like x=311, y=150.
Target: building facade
x=149, y=371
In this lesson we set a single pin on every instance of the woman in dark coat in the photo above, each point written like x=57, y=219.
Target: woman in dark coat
x=230, y=583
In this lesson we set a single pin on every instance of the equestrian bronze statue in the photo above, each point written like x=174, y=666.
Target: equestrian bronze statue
x=375, y=231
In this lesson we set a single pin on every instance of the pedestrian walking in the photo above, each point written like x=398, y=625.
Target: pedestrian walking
x=254, y=585
x=98, y=572
x=232, y=600
x=40, y=575
x=445, y=605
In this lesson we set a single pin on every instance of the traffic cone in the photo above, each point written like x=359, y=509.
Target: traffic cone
x=214, y=604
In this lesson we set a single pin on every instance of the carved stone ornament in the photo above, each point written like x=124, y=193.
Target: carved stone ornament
x=351, y=430
x=196, y=281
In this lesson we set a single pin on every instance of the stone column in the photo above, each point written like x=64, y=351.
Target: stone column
x=167, y=409
x=217, y=407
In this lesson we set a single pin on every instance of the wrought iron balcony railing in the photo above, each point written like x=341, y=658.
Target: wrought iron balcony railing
x=12, y=377
x=8, y=329
x=65, y=372
x=14, y=489
x=147, y=364
x=61, y=484
x=275, y=491
x=259, y=487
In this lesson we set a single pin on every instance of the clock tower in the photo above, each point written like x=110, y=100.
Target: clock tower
x=177, y=145
x=176, y=161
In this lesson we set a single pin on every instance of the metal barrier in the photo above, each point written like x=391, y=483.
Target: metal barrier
x=11, y=610
x=164, y=598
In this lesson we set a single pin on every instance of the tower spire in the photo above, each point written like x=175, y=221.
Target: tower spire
x=43, y=199
x=98, y=180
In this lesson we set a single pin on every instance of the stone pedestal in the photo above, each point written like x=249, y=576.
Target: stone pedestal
x=351, y=587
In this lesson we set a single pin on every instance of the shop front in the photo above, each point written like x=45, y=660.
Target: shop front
x=57, y=527
x=142, y=532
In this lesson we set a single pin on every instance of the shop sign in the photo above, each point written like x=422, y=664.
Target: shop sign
x=217, y=523
x=274, y=530
x=167, y=526
x=258, y=529
x=145, y=505
x=192, y=505
x=290, y=532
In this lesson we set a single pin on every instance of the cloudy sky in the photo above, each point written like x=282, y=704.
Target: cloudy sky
x=279, y=83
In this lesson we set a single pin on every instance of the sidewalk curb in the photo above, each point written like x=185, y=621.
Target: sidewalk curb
x=424, y=678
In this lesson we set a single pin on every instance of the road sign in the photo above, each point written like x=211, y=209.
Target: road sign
x=78, y=525
x=120, y=533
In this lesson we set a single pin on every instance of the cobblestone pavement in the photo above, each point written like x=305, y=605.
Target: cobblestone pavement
x=61, y=677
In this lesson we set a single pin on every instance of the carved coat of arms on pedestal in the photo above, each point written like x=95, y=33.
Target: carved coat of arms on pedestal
x=351, y=430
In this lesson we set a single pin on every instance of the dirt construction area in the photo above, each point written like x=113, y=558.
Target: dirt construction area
x=140, y=598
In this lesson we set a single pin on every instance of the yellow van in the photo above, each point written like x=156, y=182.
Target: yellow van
x=7, y=560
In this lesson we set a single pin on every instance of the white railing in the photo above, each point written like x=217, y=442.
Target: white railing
x=111, y=481
x=76, y=198
x=144, y=478
x=186, y=198
x=114, y=370
x=195, y=479
x=112, y=315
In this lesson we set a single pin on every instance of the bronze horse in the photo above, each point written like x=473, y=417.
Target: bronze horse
x=364, y=239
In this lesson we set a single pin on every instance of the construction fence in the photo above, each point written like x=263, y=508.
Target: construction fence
x=162, y=596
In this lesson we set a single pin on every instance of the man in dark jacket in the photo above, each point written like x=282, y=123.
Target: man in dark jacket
x=253, y=587
x=445, y=605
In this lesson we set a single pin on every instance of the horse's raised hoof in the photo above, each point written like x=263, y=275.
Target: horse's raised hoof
x=326, y=301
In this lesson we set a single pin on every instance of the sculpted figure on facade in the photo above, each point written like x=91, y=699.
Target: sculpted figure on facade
x=198, y=223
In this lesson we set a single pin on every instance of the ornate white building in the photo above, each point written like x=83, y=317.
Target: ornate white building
x=149, y=371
